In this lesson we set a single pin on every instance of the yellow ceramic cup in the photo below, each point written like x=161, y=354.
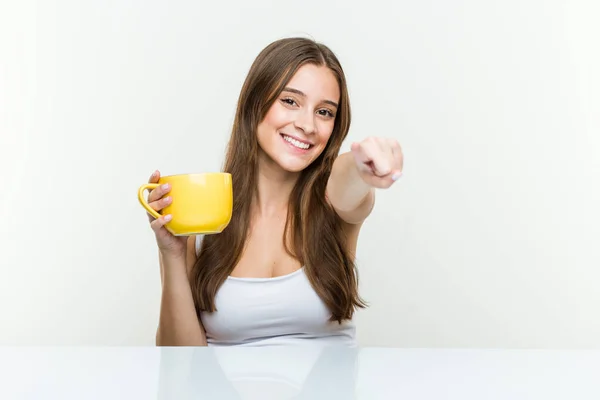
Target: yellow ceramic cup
x=202, y=203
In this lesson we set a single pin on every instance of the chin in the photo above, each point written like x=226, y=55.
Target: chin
x=292, y=165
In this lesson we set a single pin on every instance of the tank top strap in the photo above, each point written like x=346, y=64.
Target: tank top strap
x=198, y=243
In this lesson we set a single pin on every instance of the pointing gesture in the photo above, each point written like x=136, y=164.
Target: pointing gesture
x=379, y=161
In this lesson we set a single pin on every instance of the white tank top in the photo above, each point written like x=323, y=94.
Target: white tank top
x=284, y=310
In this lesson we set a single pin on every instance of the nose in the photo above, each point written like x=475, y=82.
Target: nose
x=305, y=121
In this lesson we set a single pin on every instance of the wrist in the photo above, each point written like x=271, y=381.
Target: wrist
x=173, y=260
x=168, y=254
x=175, y=276
x=363, y=179
x=355, y=175
x=348, y=187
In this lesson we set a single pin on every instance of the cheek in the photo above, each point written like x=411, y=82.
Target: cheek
x=268, y=124
x=269, y=120
x=325, y=132
x=276, y=116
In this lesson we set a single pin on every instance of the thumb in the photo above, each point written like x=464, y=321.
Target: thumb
x=397, y=175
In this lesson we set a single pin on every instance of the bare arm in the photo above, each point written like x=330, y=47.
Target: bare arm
x=348, y=193
x=372, y=163
x=178, y=323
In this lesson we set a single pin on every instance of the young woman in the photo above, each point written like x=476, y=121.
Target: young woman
x=283, y=270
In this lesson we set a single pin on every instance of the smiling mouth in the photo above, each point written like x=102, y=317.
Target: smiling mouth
x=296, y=143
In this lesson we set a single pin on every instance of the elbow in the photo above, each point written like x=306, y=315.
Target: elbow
x=173, y=342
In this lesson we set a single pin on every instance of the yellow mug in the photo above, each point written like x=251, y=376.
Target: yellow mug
x=202, y=203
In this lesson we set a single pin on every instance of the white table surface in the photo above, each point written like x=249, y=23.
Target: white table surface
x=296, y=373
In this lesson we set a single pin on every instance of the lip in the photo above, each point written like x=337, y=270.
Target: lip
x=294, y=149
x=297, y=138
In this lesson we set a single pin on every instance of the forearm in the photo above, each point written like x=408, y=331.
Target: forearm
x=178, y=323
x=346, y=189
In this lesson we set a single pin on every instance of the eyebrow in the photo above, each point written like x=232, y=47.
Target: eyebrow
x=300, y=93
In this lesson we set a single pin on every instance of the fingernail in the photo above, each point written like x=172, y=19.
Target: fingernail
x=396, y=176
x=168, y=217
x=165, y=186
x=167, y=199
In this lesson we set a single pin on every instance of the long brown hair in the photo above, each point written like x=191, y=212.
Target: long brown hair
x=317, y=236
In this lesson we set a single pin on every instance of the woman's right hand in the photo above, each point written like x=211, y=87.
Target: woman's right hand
x=158, y=199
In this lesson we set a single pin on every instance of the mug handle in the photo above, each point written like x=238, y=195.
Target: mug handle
x=144, y=202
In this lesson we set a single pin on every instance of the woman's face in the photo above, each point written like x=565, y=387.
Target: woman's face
x=298, y=125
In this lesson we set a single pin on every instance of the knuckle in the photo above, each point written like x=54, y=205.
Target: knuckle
x=155, y=195
x=368, y=140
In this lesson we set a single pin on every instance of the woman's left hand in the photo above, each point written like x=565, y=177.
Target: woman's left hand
x=379, y=161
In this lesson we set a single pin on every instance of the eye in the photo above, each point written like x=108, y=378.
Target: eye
x=288, y=101
x=325, y=113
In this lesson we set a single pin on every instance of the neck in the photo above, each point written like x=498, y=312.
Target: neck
x=274, y=187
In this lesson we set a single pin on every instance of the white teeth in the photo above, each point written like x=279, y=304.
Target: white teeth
x=296, y=143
